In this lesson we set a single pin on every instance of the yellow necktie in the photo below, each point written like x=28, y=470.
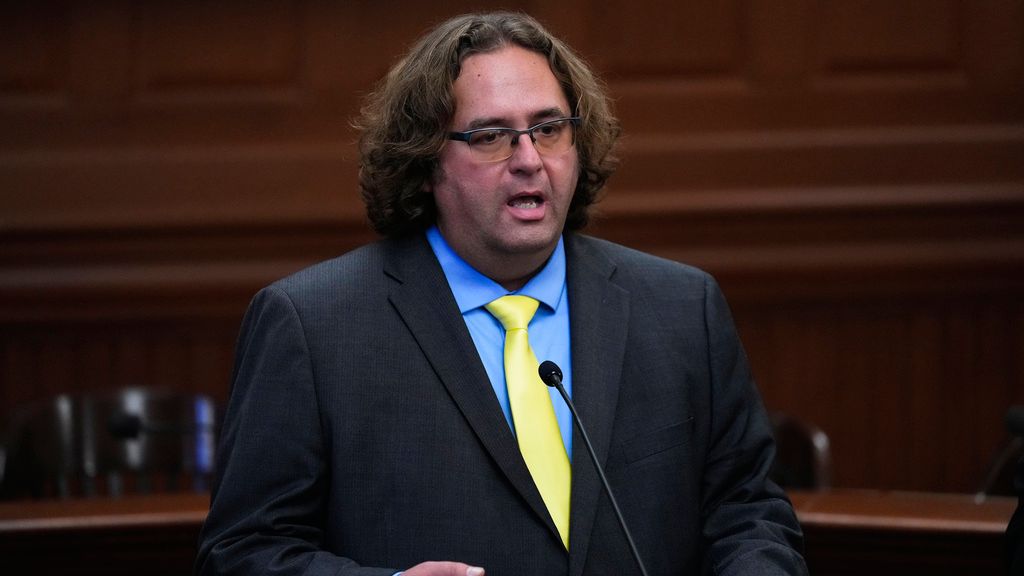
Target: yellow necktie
x=532, y=413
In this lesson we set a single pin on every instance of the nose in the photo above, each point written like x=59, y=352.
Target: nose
x=525, y=157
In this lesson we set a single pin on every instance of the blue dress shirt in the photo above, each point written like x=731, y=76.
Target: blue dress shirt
x=548, y=331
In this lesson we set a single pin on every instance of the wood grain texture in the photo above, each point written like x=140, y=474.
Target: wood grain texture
x=851, y=172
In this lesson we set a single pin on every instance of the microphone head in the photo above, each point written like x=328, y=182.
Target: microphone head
x=124, y=426
x=550, y=373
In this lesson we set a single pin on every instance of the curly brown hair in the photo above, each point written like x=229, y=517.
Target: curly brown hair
x=405, y=120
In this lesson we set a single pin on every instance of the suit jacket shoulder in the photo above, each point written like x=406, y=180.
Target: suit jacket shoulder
x=645, y=274
x=347, y=274
x=356, y=285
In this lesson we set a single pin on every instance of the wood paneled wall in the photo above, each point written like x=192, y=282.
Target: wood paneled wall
x=851, y=171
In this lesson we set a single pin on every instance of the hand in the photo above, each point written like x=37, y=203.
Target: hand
x=443, y=569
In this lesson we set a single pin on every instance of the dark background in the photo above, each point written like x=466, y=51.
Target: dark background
x=851, y=170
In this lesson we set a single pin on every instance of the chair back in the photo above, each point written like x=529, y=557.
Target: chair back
x=803, y=456
x=999, y=475
x=132, y=440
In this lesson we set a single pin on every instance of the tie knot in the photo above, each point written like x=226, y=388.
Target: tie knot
x=514, y=312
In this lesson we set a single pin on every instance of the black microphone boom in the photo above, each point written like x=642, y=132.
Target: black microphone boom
x=551, y=374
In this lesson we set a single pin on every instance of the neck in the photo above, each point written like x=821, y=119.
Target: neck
x=513, y=284
x=510, y=268
x=511, y=271
x=512, y=275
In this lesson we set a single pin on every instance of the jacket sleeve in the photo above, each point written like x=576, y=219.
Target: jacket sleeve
x=268, y=500
x=749, y=524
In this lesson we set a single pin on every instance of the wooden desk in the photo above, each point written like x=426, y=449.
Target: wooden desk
x=881, y=533
x=848, y=532
x=135, y=535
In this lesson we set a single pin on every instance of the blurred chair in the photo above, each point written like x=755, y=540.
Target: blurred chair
x=803, y=458
x=133, y=440
x=998, y=480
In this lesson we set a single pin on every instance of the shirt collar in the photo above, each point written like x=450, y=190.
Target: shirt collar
x=473, y=290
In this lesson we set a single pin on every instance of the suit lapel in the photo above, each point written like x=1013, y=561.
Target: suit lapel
x=422, y=297
x=599, y=311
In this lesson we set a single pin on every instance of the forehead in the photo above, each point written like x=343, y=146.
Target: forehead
x=511, y=86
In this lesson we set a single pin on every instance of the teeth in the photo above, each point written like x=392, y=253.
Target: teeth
x=524, y=202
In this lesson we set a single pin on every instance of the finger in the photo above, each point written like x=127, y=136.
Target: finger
x=444, y=569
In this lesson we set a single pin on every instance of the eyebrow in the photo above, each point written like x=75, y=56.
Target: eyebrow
x=496, y=122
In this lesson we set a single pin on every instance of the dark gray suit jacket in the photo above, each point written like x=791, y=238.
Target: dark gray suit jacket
x=362, y=430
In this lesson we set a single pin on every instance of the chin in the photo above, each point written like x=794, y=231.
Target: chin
x=534, y=243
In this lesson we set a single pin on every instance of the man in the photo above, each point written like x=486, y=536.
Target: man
x=371, y=428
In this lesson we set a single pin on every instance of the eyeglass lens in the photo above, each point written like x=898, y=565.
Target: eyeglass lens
x=549, y=137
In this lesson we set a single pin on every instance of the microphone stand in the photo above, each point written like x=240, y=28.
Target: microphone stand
x=551, y=374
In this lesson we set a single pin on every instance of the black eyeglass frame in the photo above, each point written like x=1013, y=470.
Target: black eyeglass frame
x=574, y=121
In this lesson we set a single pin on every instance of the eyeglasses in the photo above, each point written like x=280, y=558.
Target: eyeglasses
x=497, y=144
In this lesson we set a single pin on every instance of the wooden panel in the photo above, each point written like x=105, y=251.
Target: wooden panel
x=778, y=36
x=679, y=162
x=197, y=186
x=929, y=382
x=846, y=533
x=684, y=39
x=35, y=61
x=852, y=172
x=154, y=535
x=890, y=37
x=100, y=57
x=994, y=43
x=45, y=359
x=189, y=47
x=902, y=533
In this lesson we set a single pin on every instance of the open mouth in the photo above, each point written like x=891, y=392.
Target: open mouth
x=526, y=202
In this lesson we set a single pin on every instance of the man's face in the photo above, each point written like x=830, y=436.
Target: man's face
x=501, y=216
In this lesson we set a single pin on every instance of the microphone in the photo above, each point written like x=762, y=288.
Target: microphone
x=128, y=426
x=124, y=426
x=551, y=374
